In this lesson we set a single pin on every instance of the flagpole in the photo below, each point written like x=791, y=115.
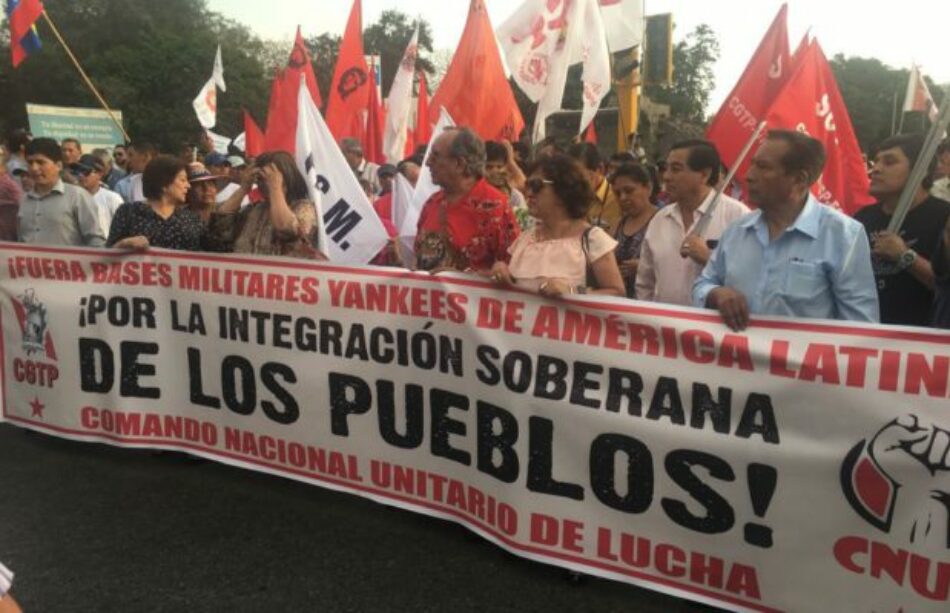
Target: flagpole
x=920, y=169
x=84, y=76
x=700, y=226
x=894, y=114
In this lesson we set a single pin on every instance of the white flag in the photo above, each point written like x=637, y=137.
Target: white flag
x=218, y=72
x=350, y=231
x=918, y=96
x=219, y=141
x=403, y=193
x=240, y=141
x=542, y=40
x=623, y=23
x=400, y=103
x=206, y=105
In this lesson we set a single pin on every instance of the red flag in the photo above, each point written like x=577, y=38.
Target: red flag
x=760, y=83
x=423, y=131
x=348, y=105
x=300, y=62
x=22, y=15
x=373, y=146
x=475, y=91
x=811, y=103
x=281, y=131
x=590, y=135
x=253, y=137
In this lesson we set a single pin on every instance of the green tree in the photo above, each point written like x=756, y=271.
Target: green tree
x=388, y=38
x=874, y=94
x=693, y=77
x=148, y=59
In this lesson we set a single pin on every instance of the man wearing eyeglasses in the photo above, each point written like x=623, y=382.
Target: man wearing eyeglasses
x=468, y=224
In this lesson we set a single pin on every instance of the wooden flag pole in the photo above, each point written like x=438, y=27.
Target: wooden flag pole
x=84, y=76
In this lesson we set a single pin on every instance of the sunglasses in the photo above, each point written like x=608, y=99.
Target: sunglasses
x=536, y=185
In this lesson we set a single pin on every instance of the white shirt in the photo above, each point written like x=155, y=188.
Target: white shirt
x=130, y=188
x=107, y=203
x=666, y=276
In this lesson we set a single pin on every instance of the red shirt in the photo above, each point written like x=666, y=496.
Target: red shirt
x=474, y=232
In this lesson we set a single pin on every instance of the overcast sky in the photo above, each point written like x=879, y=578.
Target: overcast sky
x=896, y=33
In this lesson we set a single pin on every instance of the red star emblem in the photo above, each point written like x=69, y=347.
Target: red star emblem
x=37, y=407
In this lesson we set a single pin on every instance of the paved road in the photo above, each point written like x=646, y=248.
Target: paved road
x=95, y=528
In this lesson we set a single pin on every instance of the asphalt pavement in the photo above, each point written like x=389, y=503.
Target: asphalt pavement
x=89, y=527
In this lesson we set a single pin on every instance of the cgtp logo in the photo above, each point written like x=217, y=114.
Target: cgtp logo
x=899, y=481
x=34, y=324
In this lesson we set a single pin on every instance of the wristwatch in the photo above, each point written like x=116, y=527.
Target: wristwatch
x=581, y=289
x=907, y=259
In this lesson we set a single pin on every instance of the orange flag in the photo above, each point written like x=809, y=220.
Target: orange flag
x=423, y=131
x=300, y=62
x=281, y=132
x=475, y=91
x=373, y=146
x=253, y=137
x=348, y=104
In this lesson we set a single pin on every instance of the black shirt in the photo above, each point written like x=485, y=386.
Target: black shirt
x=905, y=300
x=182, y=230
x=941, y=265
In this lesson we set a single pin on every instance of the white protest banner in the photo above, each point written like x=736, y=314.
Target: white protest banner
x=351, y=231
x=799, y=465
x=206, y=105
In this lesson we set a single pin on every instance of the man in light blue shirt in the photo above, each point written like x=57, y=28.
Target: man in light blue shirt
x=794, y=256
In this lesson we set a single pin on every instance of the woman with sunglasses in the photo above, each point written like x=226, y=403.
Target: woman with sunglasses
x=563, y=254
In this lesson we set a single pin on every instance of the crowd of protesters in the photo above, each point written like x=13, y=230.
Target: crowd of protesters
x=552, y=221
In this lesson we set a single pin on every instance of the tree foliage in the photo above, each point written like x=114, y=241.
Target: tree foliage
x=147, y=58
x=388, y=38
x=694, y=78
x=874, y=94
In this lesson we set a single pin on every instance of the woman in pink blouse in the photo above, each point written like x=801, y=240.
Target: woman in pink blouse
x=562, y=254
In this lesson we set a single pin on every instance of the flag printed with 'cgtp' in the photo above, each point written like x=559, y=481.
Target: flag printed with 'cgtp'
x=22, y=15
x=811, y=103
x=350, y=230
x=764, y=77
x=400, y=103
x=542, y=39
